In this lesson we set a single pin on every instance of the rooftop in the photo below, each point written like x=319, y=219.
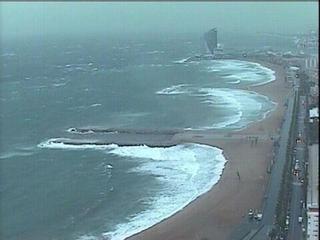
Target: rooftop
x=314, y=112
x=313, y=226
x=313, y=180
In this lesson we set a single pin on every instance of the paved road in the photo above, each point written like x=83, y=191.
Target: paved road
x=269, y=210
x=259, y=230
x=295, y=228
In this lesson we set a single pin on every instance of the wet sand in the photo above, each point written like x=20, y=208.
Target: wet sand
x=215, y=214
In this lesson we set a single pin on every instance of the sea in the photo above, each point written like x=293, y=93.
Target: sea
x=64, y=192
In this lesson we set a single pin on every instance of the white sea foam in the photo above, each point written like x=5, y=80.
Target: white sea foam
x=52, y=144
x=185, y=172
x=211, y=69
x=241, y=106
x=59, y=84
x=182, y=60
x=236, y=81
x=226, y=99
x=87, y=237
x=155, y=52
x=19, y=151
x=247, y=106
x=156, y=65
x=242, y=71
x=173, y=90
x=96, y=105
x=74, y=130
x=9, y=54
x=14, y=154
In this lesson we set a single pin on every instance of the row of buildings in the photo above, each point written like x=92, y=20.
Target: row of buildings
x=308, y=63
x=307, y=41
x=311, y=67
x=313, y=193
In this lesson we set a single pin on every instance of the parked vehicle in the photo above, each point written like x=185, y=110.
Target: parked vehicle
x=287, y=222
x=250, y=214
x=258, y=216
x=296, y=168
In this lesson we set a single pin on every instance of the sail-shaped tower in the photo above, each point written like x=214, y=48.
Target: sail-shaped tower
x=211, y=39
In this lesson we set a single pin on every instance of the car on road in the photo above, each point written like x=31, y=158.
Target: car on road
x=299, y=138
x=251, y=213
x=300, y=219
x=258, y=216
x=296, y=169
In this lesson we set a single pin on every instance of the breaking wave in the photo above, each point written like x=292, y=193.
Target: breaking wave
x=249, y=73
x=173, y=90
x=185, y=171
x=241, y=106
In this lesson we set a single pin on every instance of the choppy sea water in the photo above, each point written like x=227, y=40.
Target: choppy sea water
x=54, y=191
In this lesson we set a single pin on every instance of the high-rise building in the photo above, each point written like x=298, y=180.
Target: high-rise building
x=211, y=39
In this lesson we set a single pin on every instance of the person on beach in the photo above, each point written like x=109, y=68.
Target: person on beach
x=238, y=174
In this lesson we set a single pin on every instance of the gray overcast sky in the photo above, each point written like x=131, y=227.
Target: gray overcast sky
x=19, y=18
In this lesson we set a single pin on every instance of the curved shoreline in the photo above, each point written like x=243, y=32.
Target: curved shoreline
x=165, y=229
x=218, y=168
x=169, y=138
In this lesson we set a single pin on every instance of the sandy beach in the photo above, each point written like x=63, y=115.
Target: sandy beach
x=215, y=214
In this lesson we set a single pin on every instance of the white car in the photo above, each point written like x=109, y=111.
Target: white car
x=259, y=216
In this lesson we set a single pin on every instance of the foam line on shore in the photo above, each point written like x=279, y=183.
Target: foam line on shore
x=241, y=106
x=185, y=171
x=244, y=72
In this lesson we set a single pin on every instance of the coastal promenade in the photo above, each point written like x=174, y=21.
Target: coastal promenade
x=269, y=209
x=259, y=230
x=297, y=196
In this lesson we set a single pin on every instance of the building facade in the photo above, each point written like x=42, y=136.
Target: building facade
x=313, y=193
